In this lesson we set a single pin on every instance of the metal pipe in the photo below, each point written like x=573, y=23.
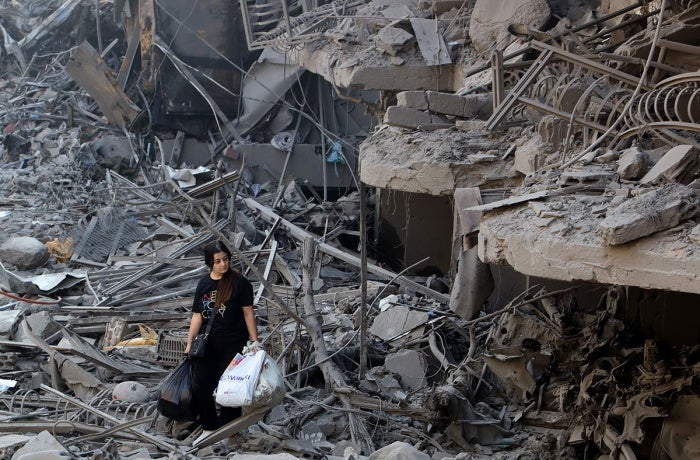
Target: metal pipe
x=98, y=26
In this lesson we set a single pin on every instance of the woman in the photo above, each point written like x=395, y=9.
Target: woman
x=226, y=293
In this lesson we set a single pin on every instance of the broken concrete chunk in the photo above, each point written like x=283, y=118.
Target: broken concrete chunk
x=41, y=324
x=695, y=234
x=478, y=106
x=411, y=366
x=381, y=380
x=392, y=39
x=430, y=41
x=397, y=320
x=406, y=117
x=679, y=164
x=659, y=209
x=447, y=103
x=470, y=125
x=398, y=451
x=9, y=442
x=8, y=322
x=552, y=129
x=590, y=175
x=397, y=12
x=608, y=157
x=632, y=163
x=42, y=446
x=24, y=252
x=346, y=449
x=530, y=156
x=488, y=26
x=469, y=106
x=414, y=99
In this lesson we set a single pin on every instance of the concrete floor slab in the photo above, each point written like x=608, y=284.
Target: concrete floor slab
x=368, y=68
x=434, y=162
x=571, y=249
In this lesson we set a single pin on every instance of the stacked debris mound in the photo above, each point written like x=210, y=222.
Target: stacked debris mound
x=576, y=371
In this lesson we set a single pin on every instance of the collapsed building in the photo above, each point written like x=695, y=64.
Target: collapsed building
x=471, y=225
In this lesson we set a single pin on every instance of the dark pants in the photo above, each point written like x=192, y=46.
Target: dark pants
x=207, y=371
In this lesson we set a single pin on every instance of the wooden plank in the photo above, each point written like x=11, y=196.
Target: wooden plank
x=87, y=68
x=132, y=48
x=147, y=29
x=430, y=41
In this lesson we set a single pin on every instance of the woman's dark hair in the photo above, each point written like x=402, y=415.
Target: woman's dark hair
x=227, y=284
x=213, y=248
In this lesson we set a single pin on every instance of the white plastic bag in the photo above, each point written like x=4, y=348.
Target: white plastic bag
x=237, y=384
x=270, y=389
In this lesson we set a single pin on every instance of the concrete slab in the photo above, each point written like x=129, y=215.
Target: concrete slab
x=439, y=163
x=488, y=25
x=414, y=99
x=680, y=164
x=406, y=117
x=587, y=175
x=447, y=103
x=10, y=441
x=24, y=252
x=471, y=125
x=659, y=209
x=431, y=42
x=42, y=446
x=351, y=67
x=411, y=367
x=530, y=156
x=392, y=39
x=8, y=321
x=398, y=320
x=632, y=163
x=666, y=260
x=398, y=451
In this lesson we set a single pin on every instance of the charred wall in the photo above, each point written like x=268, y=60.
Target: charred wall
x=413, y=226
x=207, y=35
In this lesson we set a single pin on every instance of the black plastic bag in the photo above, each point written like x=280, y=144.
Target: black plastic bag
x=175, y=398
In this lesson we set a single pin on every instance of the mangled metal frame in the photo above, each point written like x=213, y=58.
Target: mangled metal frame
x=670, y=109
x=280, y=22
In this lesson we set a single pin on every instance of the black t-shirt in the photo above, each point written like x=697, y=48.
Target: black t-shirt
x=229, y=321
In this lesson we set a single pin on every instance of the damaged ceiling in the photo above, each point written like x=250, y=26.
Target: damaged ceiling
x=471, y=226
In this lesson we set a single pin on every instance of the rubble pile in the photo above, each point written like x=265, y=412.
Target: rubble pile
x=565, y=134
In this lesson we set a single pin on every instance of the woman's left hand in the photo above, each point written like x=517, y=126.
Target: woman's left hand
x=252, y=346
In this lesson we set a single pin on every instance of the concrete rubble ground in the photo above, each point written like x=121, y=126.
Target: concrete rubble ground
x=523, y=174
